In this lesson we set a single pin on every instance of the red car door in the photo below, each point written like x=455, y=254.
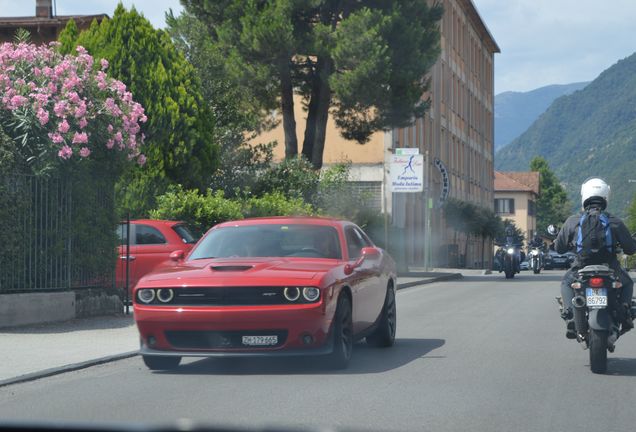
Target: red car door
x=364, y=282
x=120, y=271
x=151, y=249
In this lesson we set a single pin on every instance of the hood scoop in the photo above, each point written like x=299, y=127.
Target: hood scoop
x=231, y=268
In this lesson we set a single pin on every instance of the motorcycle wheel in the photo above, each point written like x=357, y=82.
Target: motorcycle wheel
x=598, y=351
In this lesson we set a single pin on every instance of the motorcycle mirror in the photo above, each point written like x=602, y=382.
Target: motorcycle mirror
x=552, y=230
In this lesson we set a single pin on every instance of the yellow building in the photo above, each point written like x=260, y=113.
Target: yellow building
x=516, y=195
x=457, y=133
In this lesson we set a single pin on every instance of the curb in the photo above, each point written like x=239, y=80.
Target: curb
x=67, y=368
x=440, y=278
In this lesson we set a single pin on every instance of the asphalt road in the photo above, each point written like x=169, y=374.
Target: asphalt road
x=481, y=354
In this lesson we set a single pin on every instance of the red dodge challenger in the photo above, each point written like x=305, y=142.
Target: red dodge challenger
x=269, y=287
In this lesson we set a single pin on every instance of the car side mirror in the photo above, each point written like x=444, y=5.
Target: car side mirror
x=370, y=252
x=177, y=255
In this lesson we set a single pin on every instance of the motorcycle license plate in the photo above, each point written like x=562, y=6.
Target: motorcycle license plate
x=596, y=297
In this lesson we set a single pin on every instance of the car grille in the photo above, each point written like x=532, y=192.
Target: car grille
x=198, y=339
x=229, y=296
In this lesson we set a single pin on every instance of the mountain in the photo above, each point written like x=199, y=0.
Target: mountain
x=591, y=132
x=516, y=111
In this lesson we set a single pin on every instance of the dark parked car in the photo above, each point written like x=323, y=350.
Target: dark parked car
x=556, y=260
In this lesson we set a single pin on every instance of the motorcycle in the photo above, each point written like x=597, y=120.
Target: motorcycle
x=597, y=291
x=536, y=260
x=508, y=260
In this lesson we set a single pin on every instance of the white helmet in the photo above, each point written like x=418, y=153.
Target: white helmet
x=594, y=187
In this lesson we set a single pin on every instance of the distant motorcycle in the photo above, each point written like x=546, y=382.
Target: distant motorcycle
x=597, y=291
x=536, y=260
x=508, y=256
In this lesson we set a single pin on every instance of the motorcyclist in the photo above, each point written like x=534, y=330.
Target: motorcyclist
x=536, y=242
x=511, y=241
x=595, y=196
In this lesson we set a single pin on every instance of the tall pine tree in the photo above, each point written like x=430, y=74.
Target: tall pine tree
x=362, y=61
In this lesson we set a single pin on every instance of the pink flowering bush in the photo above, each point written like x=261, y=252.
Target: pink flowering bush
x=62, y=107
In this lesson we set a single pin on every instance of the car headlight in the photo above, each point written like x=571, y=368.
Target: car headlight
x=165, y=295
x=511, y=251
x=291, y=294
x=146, y=295
x=311, y=294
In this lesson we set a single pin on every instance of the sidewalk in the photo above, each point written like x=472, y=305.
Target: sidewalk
x=37, y=351
x=47, y=349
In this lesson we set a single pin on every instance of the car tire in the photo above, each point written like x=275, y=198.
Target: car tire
x=161, y=363
x=384, y=335
x=342, y=334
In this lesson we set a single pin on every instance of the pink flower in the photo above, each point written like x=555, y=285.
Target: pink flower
x=65, y=152
x=17, y=101
x=141, y=160
x=56, y=138
x=60, y=108
x=43, y=116
x=84, y=152
x=80, y=138
x=80, y=111
x=104, y=64
x=64, y=126
x=83, y=122
x=110, y=144
x=110, y=128
x=80, y=49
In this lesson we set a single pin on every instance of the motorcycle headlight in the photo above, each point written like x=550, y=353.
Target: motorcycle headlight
x=511, y=251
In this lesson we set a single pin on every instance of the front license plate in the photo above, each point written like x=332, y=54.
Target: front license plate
x=260, y=340
x=596, y=297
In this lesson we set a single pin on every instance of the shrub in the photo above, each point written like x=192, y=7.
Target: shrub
x=276, y=204
x=58, y=107
x=203, y=211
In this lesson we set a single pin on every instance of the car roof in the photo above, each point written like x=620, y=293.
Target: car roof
x=154, y=222
x=309, y=220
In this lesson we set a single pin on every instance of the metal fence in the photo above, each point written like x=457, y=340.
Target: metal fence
x=41, y=249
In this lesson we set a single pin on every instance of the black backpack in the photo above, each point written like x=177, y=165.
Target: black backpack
x=594, y=244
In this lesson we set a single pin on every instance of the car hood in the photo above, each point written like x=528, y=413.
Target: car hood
x=221, y=269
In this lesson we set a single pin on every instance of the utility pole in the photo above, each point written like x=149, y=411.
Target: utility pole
x=427, y=213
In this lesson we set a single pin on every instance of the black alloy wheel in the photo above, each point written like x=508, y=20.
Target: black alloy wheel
x=342, y=334
x=384, y=335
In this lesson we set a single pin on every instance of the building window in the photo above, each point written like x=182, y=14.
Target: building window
x=505, y=206
x=531, y=209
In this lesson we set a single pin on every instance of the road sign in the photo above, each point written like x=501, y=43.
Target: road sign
x=407, y=173
x=407, y=151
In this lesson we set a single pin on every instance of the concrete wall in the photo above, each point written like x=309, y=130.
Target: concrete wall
x=35, y=308
x=47, y=307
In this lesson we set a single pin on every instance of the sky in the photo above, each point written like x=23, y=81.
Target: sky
x=546, y=42
x=542, y=42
